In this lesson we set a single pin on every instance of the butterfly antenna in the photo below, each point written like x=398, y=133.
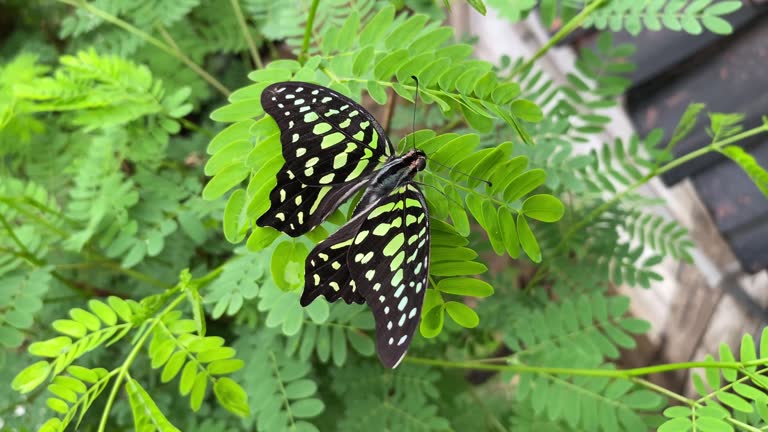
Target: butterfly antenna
x=469, y=176
x=440, y=192
x=413, y=128
x=415, y=103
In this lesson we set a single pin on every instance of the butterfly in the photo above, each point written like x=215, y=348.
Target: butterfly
x=334, y=148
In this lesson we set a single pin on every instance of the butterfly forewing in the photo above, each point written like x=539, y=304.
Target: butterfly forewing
x=331, y=145
x=389, y=263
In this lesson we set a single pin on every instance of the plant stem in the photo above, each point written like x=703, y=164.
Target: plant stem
x=304, y=55
x=606, y=373
x=247, y=34
x=151, y=40
x=569, y=27
x=715, y=146
x=129, y=360
x=136, y=275
x=389, y=110
x=195, y=127
x=11, y=202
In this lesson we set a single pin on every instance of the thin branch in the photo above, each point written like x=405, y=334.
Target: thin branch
x=247, y=34
x=304, y=55
x=569, y=27
x=606, y=373
x=389, y=110
x=192, y=65
x=123, y=371
x=149, y=39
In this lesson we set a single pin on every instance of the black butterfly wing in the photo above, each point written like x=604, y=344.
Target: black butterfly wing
x=331, y=146
x=389, y=263
x=325, y=270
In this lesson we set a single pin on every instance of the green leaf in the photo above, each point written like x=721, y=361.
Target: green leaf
x=287, y=266
x=526, y=110
x=261, y=237
x=406, y=31
x=300, y=389
x=31, y=377
x=465, y=287
x=363, y=60
x=51, y=347
x=462, y=314
x=717, y=25
x=121, y=307
x=478, y=5
x=528, y=240
x=735, y=402
x=173, y=366
x=270, y=75
x=723, y=8
x=225, y=180
x=432, y=321
x=747, y=351
x=686, y=124
x=377, y=26
x=545, y=208
x=307, y=408
x=504, y=93
x=231, y=396
x=750, y=166
x=187, y=380
x=457, y=268
x=524, y=183
x=57, y=405
x=70, y=328
x=89, y=320
x=235, y=219
x=197, y=394
x=388, y=64
x=241, y=110
x=338, y=346
x=377, y=91
x=346, y=36
x=223, y=367
x=145, y=411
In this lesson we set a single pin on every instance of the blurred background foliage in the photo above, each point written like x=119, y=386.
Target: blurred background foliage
x=136, y=158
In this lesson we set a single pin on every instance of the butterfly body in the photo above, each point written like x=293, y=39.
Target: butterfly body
x=396, y=172
x=334, y=148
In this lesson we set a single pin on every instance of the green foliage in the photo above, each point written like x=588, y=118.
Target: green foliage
x=728, y=396
x=20, y=294
x=239, y=281
x=287, y=20
x=330, y=339
x=589, y=403
x=690, y=17
x=750, y=166
x=395, y=400
x=108, y=192
x=175, y=346
x=146, y=414
x=516, y=11
x=282, y=393
x=586, y=329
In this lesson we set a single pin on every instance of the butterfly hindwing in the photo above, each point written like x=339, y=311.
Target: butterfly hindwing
x=326, y=271
x=389, y=263
x=331, y=146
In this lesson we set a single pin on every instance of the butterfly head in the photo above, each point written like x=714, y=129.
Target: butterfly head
x=417, y=159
